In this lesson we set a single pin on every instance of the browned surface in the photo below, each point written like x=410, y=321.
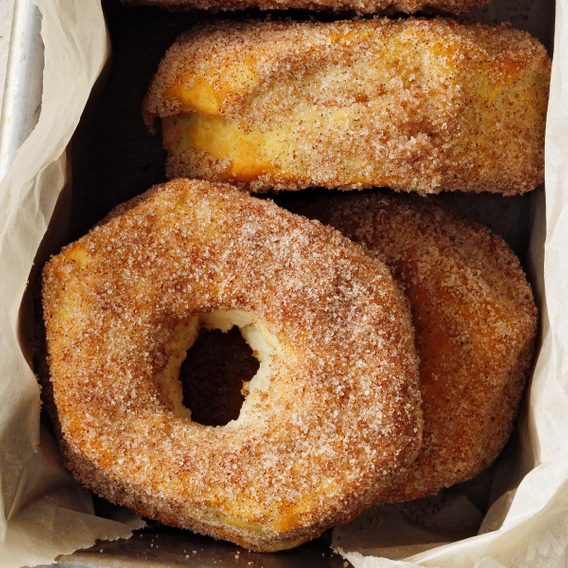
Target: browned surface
x=339, y=421
x=475, y=323
x=415, y=105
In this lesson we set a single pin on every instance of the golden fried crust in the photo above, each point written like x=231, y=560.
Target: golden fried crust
x=415, y=105
x=336, y=420
x=359, y=6
x=475, y=323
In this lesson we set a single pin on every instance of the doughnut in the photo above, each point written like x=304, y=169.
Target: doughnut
x=331, y=417
x=359, y=6
x=414, y=105
x=475, y=323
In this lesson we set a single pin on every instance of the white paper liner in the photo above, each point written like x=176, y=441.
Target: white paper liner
x=46, y=514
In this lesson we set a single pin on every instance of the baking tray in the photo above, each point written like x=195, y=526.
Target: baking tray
x=114, y=158
x=22, y=89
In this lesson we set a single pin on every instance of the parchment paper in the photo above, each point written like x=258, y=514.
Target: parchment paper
x=44, y=513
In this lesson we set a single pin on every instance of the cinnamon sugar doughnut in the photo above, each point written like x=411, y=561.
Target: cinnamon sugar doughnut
x=359, y=6
x=414, y=105
x=475, y=322
x=332, y=416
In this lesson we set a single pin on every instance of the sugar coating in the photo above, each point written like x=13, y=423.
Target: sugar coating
x=475, y=324
x=339, y=421
x=414, y=104
x=359, y=6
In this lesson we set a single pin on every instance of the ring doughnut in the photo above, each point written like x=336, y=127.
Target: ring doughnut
x=332, y=415
x=412, y=104
x=359, y=6
x=475, y=323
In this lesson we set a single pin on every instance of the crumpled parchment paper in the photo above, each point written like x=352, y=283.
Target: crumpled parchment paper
x=45, y=513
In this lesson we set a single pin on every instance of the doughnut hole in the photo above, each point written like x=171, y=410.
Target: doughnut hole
x=215, y=361
x=213, y=373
